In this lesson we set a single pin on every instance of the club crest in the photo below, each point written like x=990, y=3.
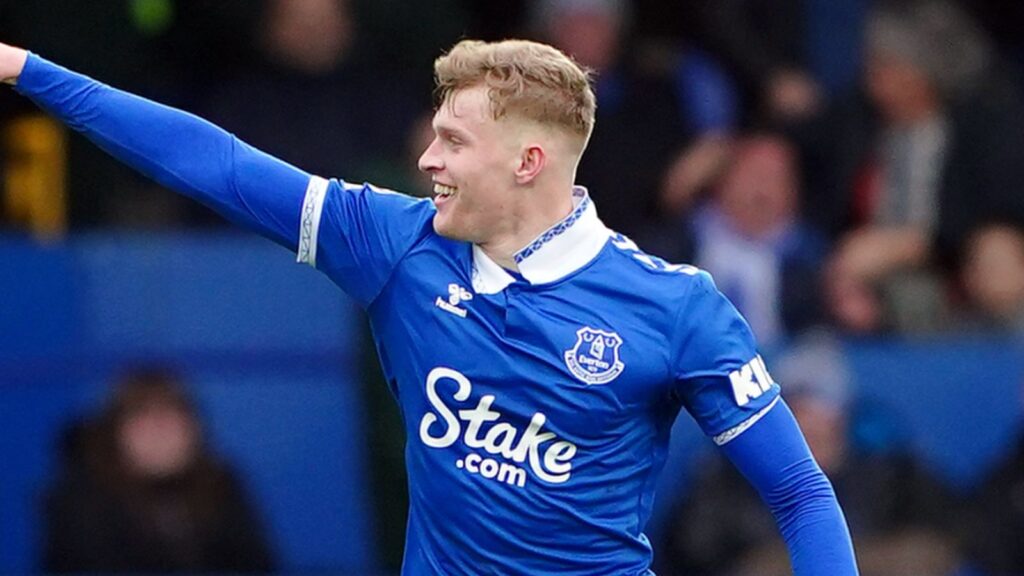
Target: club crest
x=595, y=357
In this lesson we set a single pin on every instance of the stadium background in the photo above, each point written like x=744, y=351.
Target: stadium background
x=101, y=270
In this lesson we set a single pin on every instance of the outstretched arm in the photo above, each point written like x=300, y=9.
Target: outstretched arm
x=774, y=457
x=177, y=149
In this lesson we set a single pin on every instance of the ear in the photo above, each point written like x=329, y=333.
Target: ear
x=531, y=161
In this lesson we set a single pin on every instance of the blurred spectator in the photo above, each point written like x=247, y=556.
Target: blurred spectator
x=995, y=525
x=993, y=276
x=652, y=105
x=749, y=236
x=762, y=42
x=114, y=42
x=938, y=149
x=308, y=99
x=833, y=43
x=896, y=512
x=139, y=491
x=34, y=176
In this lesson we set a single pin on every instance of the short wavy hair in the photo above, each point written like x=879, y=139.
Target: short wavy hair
x=935, y=36
x=526, y=79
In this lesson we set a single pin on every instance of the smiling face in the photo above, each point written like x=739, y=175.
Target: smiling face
x=513, y=120
x=472, y=161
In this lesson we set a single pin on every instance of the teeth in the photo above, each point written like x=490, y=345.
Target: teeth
x=442, y=190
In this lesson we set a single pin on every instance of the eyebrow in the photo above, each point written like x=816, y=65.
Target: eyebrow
x=450, y=131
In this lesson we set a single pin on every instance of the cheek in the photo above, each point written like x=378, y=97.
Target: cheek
x=883, y=85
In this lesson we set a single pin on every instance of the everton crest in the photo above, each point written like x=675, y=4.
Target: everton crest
x=595, y=357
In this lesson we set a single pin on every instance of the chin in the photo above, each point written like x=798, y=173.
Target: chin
x=452, y=231
x=445, y=229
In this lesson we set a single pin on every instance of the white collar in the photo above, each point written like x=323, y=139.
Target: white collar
x=559, y=251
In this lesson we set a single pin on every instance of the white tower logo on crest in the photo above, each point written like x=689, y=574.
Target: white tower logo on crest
x=594, y=358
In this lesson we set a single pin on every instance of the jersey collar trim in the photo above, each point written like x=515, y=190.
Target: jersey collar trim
x=561, y=250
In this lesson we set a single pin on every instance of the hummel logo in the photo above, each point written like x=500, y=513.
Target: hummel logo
x=456, y=295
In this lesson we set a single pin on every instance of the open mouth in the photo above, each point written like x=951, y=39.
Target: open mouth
x=443, y=191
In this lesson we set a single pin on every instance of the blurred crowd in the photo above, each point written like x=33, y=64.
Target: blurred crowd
x=853, y=167
x=846, y=163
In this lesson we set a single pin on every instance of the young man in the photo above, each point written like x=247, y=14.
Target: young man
x=538, y=358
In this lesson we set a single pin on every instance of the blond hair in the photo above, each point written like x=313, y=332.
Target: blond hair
x=523, y=78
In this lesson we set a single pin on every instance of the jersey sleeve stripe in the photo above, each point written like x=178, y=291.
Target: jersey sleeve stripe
x=309, y=223
x=732, y=433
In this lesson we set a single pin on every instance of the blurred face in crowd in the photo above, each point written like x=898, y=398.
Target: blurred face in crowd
x=994, y=271
x=311, y=36
x=158, y=439
x=472, y=161
x=589, y=34
x=853, y=304
x=902, y=91
x=758, y=193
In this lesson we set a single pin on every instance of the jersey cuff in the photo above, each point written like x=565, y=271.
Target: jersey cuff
x=309, y=223
x=730, y=434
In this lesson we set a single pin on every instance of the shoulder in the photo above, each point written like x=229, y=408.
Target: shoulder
x=681, y=299
x=378, y=193
x=406, y=218
x=697, y=315
x=673, y=283
x=647, y=264
x=365, y=201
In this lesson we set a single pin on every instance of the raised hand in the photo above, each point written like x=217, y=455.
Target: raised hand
x=12, y=61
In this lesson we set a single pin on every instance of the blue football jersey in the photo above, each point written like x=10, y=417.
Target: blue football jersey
x=537, y=405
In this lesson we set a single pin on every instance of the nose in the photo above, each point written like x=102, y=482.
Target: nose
x=430, y=160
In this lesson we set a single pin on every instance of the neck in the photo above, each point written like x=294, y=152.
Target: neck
x=538, y=214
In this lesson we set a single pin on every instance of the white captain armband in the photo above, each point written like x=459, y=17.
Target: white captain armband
x=309, y=220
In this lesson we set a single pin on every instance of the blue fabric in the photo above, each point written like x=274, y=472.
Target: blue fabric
x=706, y=93
x=834, y=46
x=774, y=457
x=364, y=232
x=177, y=149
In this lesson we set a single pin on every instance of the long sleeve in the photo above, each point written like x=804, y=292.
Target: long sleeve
x=177, y=149
x=774, y=457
